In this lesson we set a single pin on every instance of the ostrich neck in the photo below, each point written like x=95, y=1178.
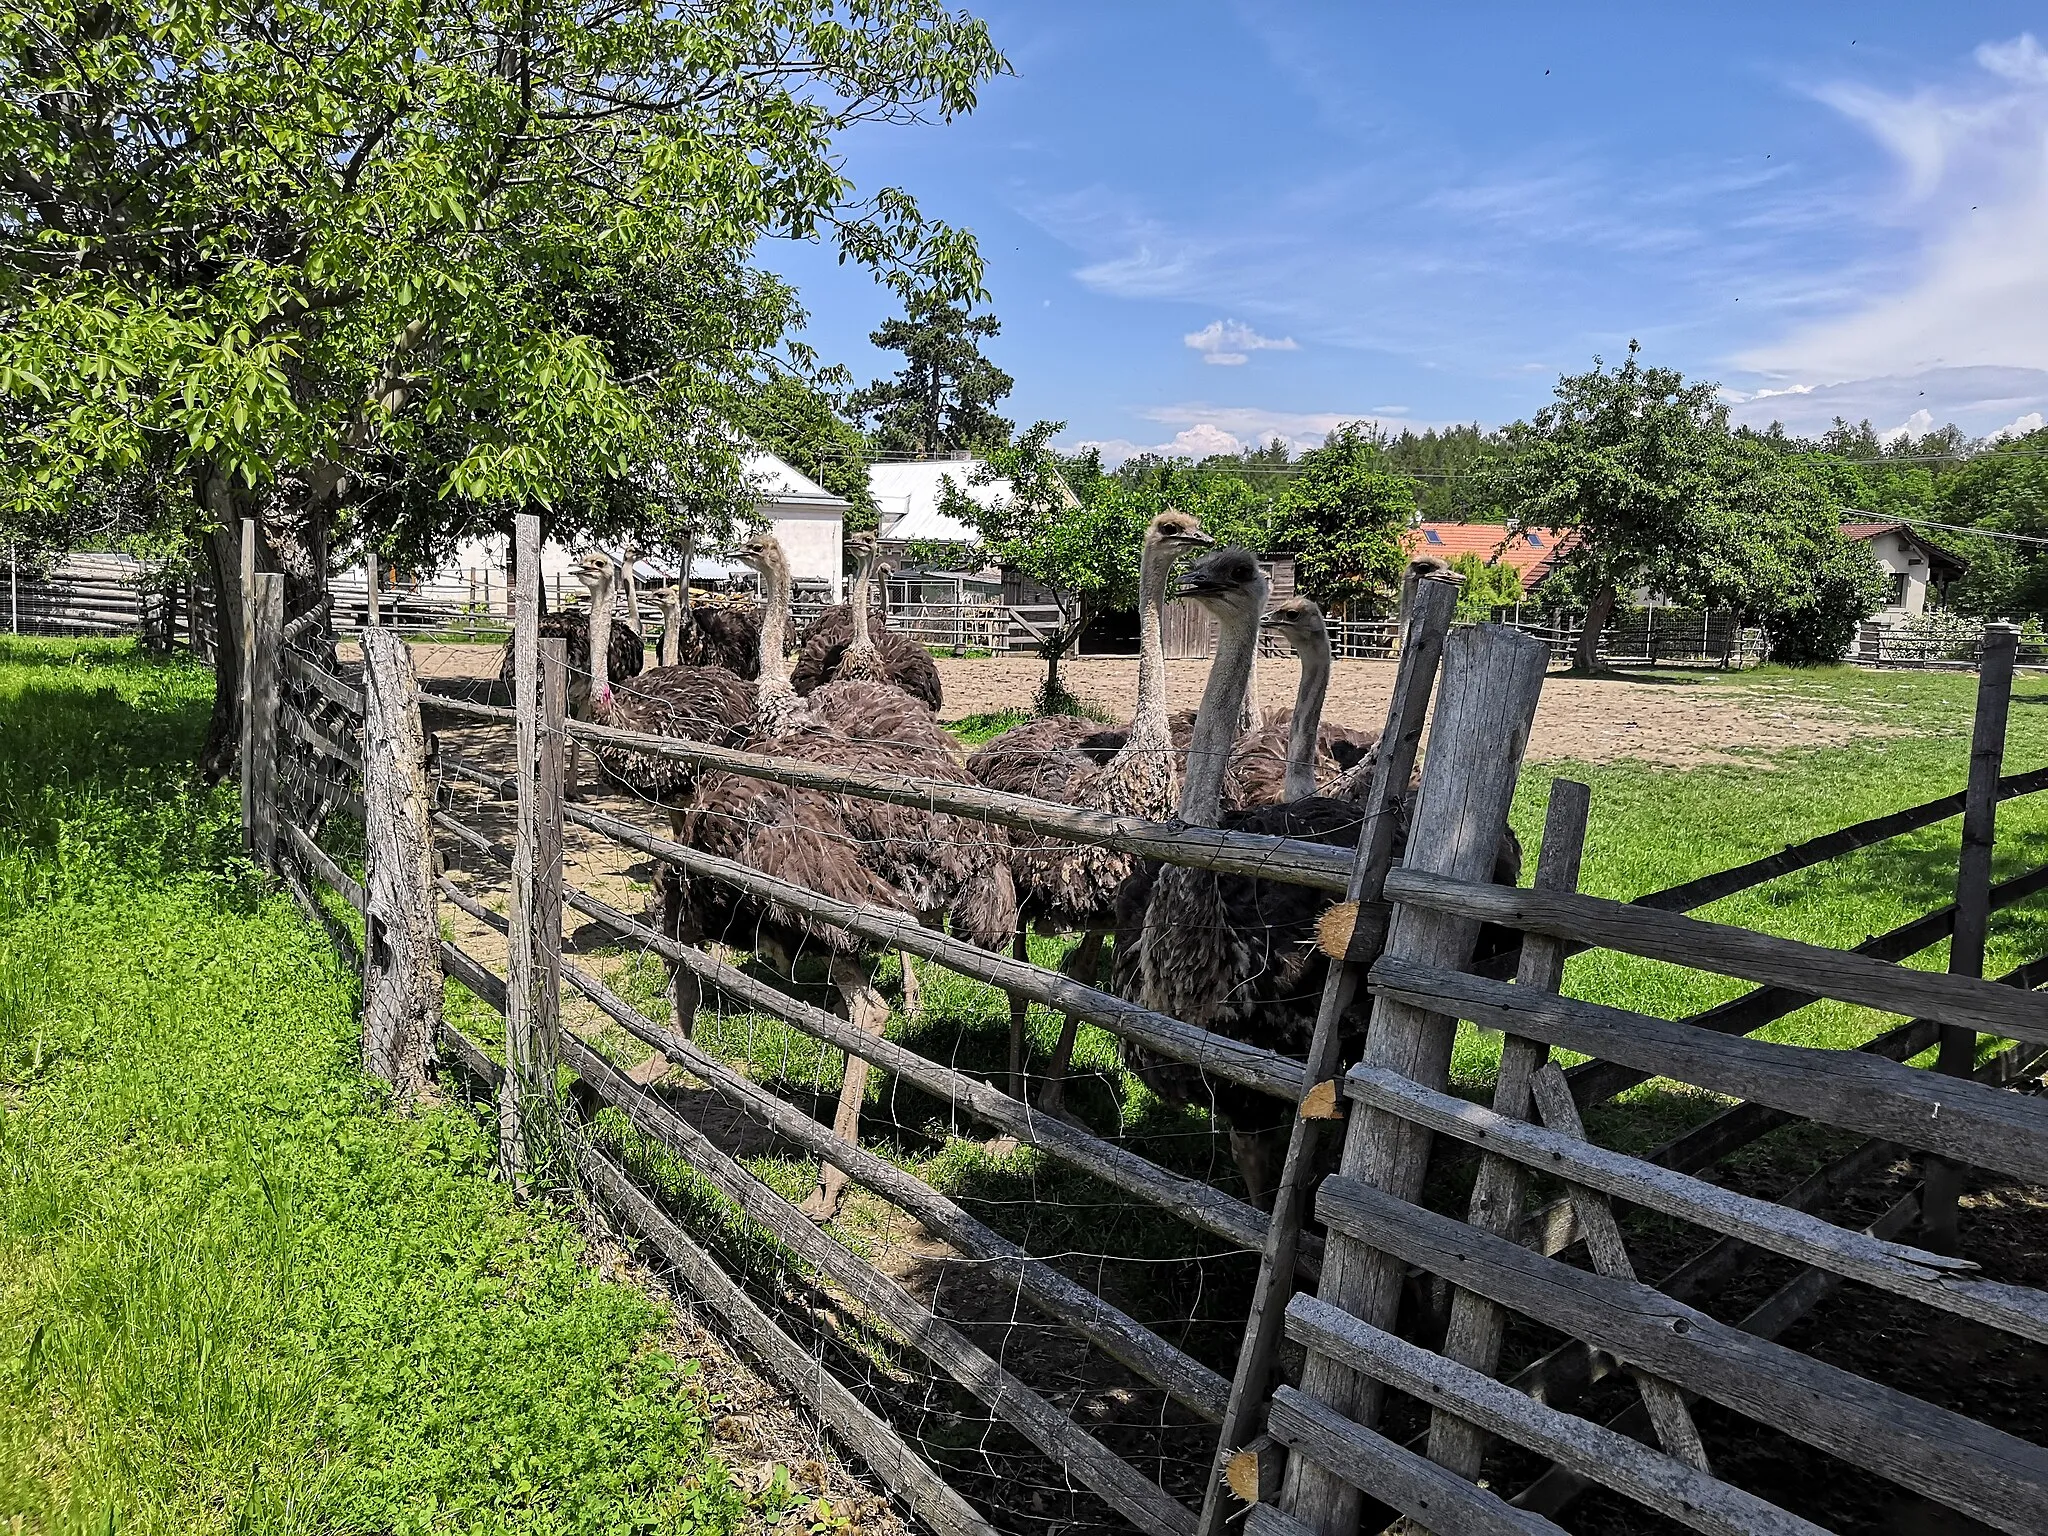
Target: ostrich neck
x=863, y=589
x=1230, y=675
x=1308, y=721
x=632, y=601
x=1148, y=720
x=775, y=600
x=601, y=647
x=1249, y=718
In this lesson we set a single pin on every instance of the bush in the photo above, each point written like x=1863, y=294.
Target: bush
x=1488, y=588
x=1816, y=627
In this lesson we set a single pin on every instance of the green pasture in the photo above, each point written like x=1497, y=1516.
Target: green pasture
x=236, y=1293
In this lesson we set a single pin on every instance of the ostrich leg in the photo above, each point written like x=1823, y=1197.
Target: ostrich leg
x=1020, y=947
x=866, y=1009
x=1084, y=965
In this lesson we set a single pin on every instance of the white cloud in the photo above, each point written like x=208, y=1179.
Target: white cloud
x=2021, y=59
x=1229, y=342
x=1919, y=424
x=1976, y=399
x=2031, y=422
x=1974, y=157
x=1196, y=442
x=1207, y=429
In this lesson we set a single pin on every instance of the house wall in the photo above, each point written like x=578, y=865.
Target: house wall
x=1901, y=559
x=813, y=538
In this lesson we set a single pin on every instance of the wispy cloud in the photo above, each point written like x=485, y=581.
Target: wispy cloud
x=1207, y=429
x=1973, y=197
x=1229, y=343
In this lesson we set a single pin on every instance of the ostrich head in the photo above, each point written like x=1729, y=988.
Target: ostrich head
x=760, y=549
x=1177, y=531
x=1229, y=583
x=1300, y=623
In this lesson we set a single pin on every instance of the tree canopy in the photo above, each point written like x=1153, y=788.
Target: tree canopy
x=282, y=252
x=944, y=397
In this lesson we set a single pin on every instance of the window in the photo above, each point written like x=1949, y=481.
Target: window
x=1534, y=541
x=1899, y=580
x=1429, y=536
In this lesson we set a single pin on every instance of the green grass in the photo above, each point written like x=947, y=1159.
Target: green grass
x=237, y=1293
x=1652, y=827
x=976, y=729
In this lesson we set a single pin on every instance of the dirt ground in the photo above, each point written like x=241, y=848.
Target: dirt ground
x=1679, y=723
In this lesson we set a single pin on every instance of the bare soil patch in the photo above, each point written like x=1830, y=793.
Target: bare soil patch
x=1681, y=723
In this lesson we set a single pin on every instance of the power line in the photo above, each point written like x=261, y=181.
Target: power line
x=1975, y=533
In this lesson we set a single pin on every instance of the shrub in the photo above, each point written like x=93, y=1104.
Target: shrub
x=1817, y=624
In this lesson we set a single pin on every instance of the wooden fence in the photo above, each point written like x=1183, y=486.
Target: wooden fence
x=1214, y=1422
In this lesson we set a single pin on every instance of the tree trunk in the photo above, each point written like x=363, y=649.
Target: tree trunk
x=1588, y=657
x=223, y=549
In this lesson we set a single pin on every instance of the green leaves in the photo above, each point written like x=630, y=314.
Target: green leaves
x=223, y=211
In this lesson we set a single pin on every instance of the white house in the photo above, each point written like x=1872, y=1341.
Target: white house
x=907, y=495
x=1912, y=564
x=808, y=519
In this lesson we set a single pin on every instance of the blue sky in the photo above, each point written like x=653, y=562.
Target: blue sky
x=1208, y=223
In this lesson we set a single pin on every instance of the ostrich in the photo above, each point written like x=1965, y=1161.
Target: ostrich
x=865, y=700
x=1295, y=752
x=703, y=704
x=625, y=657
x=1227, y=952
x=894, y=658
x=918, y=862
x=1066, y=885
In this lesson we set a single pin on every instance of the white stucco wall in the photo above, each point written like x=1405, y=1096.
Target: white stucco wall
x=812, y=537
x=1901, y=558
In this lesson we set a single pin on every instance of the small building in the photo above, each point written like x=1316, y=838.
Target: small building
x=1912, y=564
x=1530, y=554
x=808, y=519
x=908, y=496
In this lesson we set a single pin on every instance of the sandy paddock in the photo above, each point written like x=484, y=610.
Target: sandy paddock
x=1679, y=723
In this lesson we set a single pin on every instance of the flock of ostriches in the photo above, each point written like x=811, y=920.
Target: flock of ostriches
x=1227, y=953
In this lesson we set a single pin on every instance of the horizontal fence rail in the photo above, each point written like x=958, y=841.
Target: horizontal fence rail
x=1613, y=1322
x=1233, y=853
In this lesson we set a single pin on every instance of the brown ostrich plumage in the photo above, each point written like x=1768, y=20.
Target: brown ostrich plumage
x=905, y=663
x=705, y=704
x=878, y=712
x=724, y=635
x=625, y=657
x=702, y=704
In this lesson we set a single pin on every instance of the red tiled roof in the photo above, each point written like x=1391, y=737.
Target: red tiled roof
x=1529, y=553
x=1856, y=533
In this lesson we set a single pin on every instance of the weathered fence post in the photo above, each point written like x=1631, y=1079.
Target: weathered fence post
x=402, y=938
x=1492, y=679
x=1477, y=1324
x=264, y=658
x=1431, y=606
x=370, y=613
x=529, y=1106
x=1939, y=1216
